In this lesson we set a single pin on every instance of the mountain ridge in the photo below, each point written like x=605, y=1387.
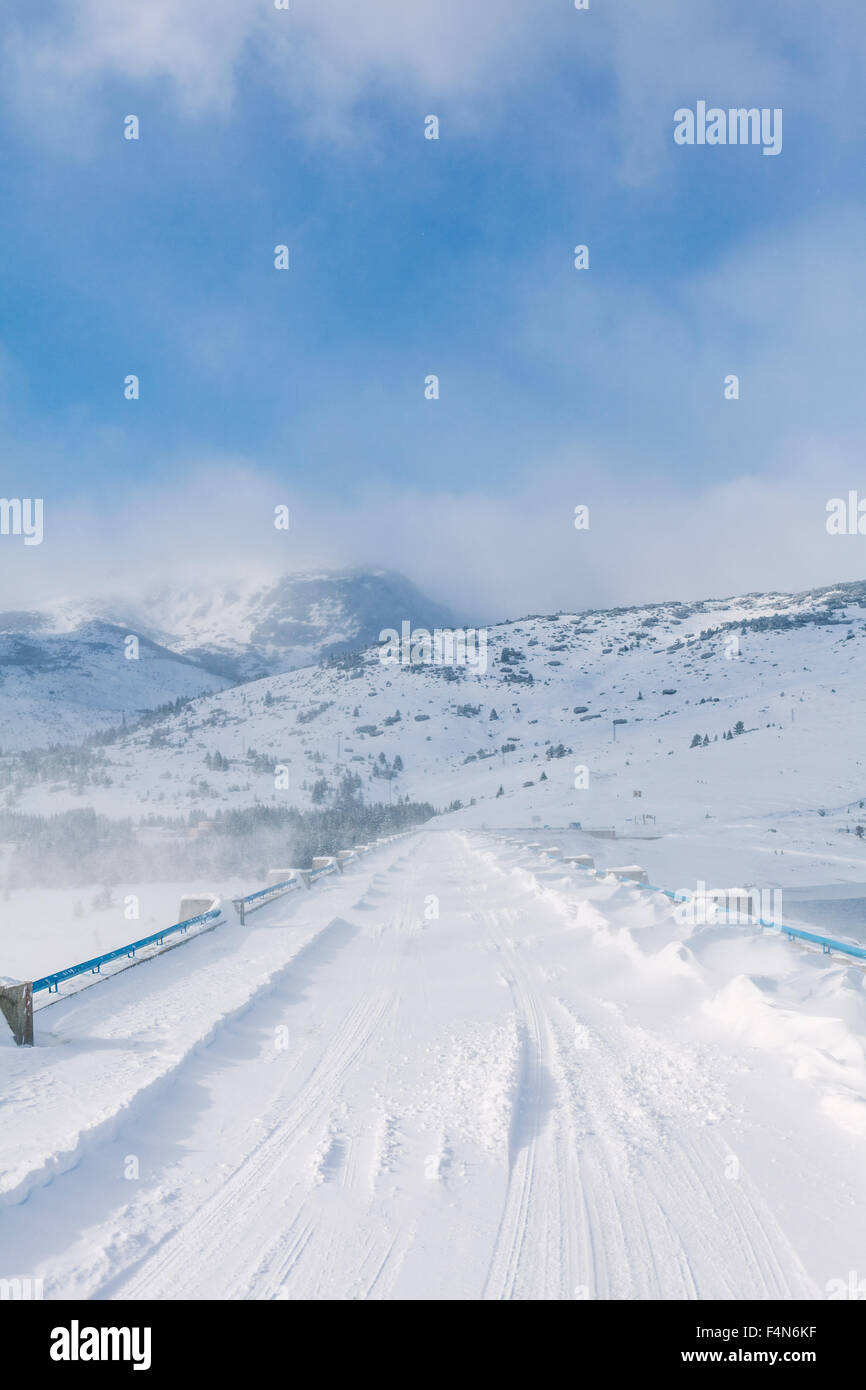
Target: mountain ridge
x=62, y=666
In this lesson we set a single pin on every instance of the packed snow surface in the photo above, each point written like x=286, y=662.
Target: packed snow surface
x=462, y=1069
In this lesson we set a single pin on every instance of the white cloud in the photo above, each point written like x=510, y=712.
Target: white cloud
x=489, y=554
x=324, y=56
x=780, y=309
x=321, y=55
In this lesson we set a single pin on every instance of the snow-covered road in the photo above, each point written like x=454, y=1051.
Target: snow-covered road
x=464, y=1077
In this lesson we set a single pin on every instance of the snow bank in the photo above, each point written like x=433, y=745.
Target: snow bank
x=824, y=1052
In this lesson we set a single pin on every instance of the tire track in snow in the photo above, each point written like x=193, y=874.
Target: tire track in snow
x=704, y=1234
x=543, y=1239
x=664, y=1222
x=269, y=1190
x=192, y=1254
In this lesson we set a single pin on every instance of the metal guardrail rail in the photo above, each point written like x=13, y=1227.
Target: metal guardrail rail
x=828, y=944
x=320, y=872
x=53, y=982
x=301, y=878
x=263, y=896
x=16, y=998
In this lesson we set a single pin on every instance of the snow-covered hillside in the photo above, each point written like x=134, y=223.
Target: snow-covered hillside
x=775, y=803
x=62, y=687
x=65, y=674
x=248, y=627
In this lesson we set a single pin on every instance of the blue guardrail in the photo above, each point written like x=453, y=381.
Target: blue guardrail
x=827, y=943
x=52, y=982
x=283, y=887
x=324, y=869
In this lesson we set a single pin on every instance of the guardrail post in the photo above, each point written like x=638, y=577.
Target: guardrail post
x=16, y=1005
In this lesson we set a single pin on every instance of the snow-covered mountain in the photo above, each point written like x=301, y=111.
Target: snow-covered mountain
x=58, y=687
x=246, y=630
x=623, y=695
x=63, y=672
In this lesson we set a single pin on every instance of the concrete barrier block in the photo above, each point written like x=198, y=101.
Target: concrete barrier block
x=279, y=875
x=630, y=873
x=194, y=904
x=16, y=1006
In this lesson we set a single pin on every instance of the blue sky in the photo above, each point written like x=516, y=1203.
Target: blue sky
x=452, y=257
